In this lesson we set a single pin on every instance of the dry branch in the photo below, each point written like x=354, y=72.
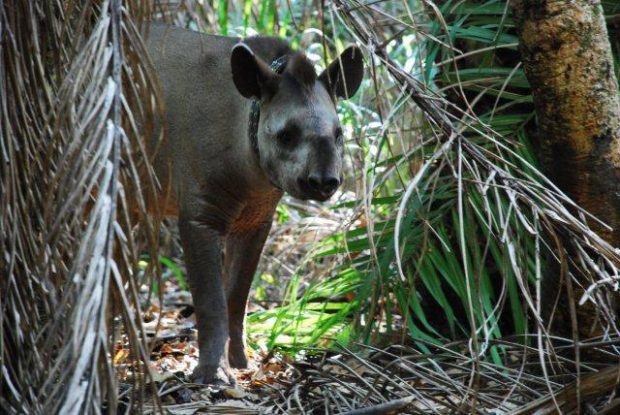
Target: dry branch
x=384, y=408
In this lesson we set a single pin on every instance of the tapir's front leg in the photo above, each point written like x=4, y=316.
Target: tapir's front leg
x=243, y=251
x=202, y=246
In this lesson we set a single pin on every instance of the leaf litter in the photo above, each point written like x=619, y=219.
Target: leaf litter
x=367, y=380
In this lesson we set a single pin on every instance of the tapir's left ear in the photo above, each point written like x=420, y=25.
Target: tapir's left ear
x=252, y=77
x=344, y=75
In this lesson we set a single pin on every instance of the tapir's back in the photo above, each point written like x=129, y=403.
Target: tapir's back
x=194, y=70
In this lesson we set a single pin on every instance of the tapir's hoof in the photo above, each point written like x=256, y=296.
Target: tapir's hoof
x=238, y=360
x=220, y=376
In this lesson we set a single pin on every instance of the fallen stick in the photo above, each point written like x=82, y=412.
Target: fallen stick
x=592, y=386
x=383, y=408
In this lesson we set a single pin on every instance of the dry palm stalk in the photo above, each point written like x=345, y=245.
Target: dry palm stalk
x=569, y=397
x=76, y=102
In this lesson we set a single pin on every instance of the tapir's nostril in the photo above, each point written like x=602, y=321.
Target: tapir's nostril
x=325, y=184
x=314, y=182
x=330, y=183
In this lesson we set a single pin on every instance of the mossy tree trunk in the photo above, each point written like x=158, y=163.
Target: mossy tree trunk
x=568, y=61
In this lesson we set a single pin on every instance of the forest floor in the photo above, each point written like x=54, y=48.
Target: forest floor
x=395, y=380
x=339, y=381
x=169, y=323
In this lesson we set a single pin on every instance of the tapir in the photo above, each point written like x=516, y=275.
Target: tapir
x=247, y=120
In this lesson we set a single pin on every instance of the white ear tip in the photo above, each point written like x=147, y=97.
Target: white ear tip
x=244, y=47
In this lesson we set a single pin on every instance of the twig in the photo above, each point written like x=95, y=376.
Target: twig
x=383, y=408
x=590, y=386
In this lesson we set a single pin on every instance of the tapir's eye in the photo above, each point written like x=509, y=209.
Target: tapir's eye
x=288, y=135
x=284, y=137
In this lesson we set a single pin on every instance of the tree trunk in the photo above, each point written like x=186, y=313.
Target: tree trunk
x=568, y=61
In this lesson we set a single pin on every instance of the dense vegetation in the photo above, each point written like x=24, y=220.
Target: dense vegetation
x=438, y=241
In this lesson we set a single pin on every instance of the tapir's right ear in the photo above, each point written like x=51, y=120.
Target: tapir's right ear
x=344, y=75
x=252, y=77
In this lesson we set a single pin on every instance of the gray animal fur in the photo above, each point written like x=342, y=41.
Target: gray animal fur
x=223, y=192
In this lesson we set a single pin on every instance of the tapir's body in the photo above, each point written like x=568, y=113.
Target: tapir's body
x=224, y=187
x=206, y=116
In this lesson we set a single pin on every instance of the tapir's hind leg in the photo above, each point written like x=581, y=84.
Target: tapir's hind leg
x=243, y=251
x=203, y=258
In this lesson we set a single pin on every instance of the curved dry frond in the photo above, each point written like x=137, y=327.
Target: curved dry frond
x=77, y=101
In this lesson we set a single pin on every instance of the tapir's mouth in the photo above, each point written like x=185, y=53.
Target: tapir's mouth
x=319, y=196
x=323, y=196
x=304, y=192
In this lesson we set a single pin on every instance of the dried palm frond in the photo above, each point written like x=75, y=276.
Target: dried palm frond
x=77, y=102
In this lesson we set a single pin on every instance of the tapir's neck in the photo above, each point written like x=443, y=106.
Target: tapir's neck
x=269, y=50
x=277, y=65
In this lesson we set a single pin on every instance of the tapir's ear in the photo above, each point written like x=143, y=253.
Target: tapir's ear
x=344, y=75
x=252, y=77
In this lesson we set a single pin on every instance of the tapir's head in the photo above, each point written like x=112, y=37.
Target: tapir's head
x=299, y=137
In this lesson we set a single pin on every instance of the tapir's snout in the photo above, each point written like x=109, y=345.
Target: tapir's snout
x=319, y=186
